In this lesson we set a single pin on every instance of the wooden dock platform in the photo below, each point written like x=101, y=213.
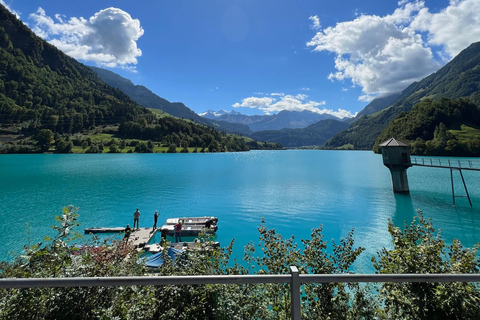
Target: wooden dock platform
x=138, y=237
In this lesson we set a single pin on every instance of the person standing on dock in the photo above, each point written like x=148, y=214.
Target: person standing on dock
x=155, y=218
x=128, y=230
x=136, y=216
x=178, y=231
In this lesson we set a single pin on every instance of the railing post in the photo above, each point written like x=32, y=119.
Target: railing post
x=295, y=293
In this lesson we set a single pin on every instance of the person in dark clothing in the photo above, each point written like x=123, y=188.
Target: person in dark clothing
x=136, y=217
x=178, y=232
x=163, y=238
x=155, y=219
x=208, y=223
x=128, y=231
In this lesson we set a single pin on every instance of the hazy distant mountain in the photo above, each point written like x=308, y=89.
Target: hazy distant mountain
x=315, y=134
x=283, y=119
x=459, y=78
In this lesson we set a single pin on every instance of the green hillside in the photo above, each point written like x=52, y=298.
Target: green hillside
x=459, y=78
x=42, y=88
x=444, y=127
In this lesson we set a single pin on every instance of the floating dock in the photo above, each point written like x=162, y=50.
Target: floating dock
x=138, y=237
x=191, y=227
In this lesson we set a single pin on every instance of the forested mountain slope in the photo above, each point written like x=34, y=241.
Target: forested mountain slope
x=41, y=87
x=442, y=127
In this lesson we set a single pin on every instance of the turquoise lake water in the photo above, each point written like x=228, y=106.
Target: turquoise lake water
x=293, y=190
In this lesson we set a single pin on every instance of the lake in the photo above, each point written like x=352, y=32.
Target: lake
x=294, y=191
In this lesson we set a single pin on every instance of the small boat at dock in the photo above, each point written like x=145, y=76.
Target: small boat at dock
x=104, y=230
x=191, y=226
x=158, y=259
x=189, y=230
x=192, y=220
x=156, y=247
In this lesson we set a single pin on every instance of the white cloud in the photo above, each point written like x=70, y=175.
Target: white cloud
x=108, y=38
x=379, y=54
x=288, y=102
x=455, y=27
x=386, y=54
x=255, y=103
x=315, y=23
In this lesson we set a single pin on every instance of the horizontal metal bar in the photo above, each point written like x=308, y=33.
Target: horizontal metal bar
x=231, y=279
x=355, y=278
x=146, y=280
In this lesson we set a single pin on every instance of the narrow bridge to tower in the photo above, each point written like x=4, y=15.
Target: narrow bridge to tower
x=396, y=157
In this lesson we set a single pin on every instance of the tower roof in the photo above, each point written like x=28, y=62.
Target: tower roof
x=392, y=142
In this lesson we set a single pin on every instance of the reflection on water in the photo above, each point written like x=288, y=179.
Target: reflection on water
x=404, y=209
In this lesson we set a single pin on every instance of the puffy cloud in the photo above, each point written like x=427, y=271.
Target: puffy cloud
x=108, y=38
x=288, y=102
x=455, y=27
x=315, y=23
x=255, y=103
x=379, y=54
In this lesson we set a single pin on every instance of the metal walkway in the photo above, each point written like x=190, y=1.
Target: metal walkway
x=457, y=165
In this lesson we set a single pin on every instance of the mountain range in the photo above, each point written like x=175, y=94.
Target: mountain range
x=313, y=135
x=291, y=127
x=282, y=120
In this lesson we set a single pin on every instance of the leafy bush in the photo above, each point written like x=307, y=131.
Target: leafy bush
x=418, y=249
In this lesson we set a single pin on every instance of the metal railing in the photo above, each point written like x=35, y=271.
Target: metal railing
x=464, y=164
x=294, y=278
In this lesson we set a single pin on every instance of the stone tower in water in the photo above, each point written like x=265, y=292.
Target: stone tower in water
x=396, y=157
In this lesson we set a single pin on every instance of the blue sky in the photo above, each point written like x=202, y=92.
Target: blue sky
x=260, y=56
